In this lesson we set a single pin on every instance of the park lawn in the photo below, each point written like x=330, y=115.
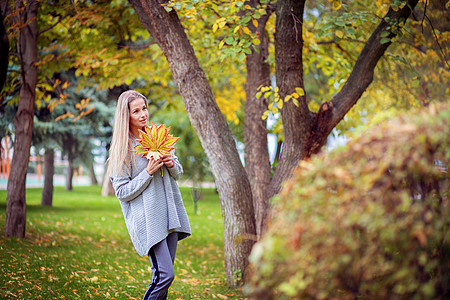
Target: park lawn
x=80, y=248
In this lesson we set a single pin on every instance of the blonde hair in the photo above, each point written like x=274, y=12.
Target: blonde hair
x=119, y=162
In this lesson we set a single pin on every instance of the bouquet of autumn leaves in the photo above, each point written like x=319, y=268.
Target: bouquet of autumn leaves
x=155, y=141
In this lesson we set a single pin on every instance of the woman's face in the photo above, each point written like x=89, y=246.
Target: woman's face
x=138, y=114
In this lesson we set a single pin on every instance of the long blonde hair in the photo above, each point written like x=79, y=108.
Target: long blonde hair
x=119, y=162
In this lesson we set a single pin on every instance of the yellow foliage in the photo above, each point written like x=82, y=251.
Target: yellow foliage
x=230, y=98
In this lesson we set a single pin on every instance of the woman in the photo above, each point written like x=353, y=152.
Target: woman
x=151, y=204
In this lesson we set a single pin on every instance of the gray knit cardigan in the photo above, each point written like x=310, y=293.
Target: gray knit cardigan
x=151, y=204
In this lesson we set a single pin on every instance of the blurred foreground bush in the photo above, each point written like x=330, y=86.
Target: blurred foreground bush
x=368, y=221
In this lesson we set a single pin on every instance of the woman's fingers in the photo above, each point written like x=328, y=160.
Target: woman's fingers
x=153, y=165
x=167, y=160
x=166, y=157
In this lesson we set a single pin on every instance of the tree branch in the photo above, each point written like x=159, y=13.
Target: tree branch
x=319, y=130
x=437, y=41
x=56, y=23
x=333, y=42
x=363, y=71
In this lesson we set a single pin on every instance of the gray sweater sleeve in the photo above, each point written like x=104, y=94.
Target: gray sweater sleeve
x=127, y=189
x=177, y=170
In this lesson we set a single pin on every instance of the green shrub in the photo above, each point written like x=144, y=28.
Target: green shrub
x=368, y=221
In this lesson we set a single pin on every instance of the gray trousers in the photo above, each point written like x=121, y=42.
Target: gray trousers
x=162, y=257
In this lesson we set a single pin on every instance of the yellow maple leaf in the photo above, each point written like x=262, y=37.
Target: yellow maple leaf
x=155, y=141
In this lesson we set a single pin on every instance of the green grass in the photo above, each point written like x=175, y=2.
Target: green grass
x=80, y=249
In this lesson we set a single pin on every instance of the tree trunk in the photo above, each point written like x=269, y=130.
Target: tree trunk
x=4, y=49
x=69, y=176
x=70, y=146
x=23, y=120
x=92, y=173
x=107, y=188
x=213, y=131
x=278, y=151
x=289, y=75
x=49, y=171
x=257, y=163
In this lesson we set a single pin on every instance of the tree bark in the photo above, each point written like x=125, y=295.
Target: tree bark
x=289, y=75
x=23, y=120
x=4, y=49
x=49, y=171
x=70, y=145
x=69, y=175
x=92, y=174
x=257, y=163
x=213, y=131
x=107, y=188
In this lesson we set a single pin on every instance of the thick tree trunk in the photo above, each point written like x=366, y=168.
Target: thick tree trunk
x=4, y=49
x=23, y=120
x=257, y=162
x=215, y=136
x=289, y=75
x=49, y=171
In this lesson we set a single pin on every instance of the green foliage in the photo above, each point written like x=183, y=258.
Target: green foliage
x=80, y=249
x=369, y=220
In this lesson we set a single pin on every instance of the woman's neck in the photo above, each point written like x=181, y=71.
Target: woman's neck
x=135, y=131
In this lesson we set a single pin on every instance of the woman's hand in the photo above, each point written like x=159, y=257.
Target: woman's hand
x=153, y=165
x=167, y=160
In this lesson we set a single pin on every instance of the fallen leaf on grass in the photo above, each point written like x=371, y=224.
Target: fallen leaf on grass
x=192, y=282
